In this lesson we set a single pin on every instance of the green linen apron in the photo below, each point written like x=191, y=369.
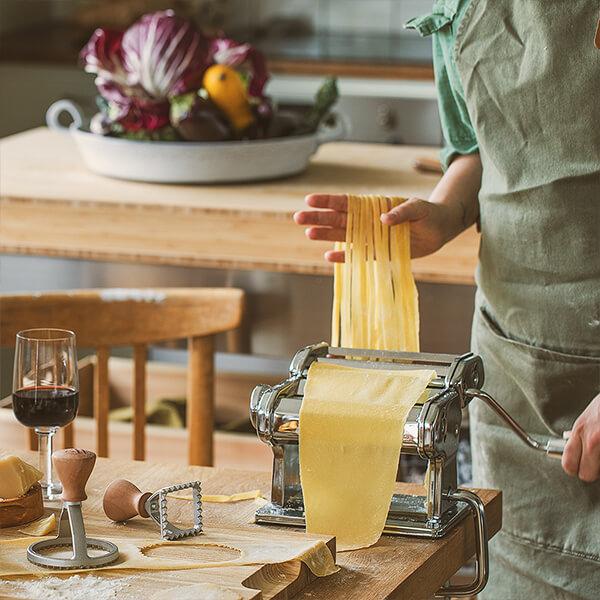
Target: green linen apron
x=531, y=77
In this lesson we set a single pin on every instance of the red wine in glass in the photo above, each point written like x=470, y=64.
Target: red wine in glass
x=45, y=406
x=46, y=390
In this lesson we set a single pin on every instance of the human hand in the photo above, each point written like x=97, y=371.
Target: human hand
x=431, y=224
x=581, y=457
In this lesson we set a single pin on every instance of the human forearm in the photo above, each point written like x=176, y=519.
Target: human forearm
x=458, y=192
x=452, y=207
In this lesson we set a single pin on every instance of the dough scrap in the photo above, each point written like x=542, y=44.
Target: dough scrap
x=375, y=301
x=221, y=498
x=41, y=527
x=351, y=425
x=280, y=548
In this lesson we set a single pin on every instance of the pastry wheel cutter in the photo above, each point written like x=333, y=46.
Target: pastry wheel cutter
x=123, y=500
x=74, y=467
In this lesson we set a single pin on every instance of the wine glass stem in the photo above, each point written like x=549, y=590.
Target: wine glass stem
x=46, y=439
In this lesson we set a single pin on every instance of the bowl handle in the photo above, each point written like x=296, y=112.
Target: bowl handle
x=61, y=106
x=337, y=131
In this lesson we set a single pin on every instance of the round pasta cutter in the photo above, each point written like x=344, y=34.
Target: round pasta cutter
x=71, y=548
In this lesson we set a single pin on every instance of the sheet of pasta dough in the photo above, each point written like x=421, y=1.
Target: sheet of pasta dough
x=132, y=553
x=351, y=425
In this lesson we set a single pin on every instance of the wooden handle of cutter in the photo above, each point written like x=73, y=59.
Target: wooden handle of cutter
x=73, y=467
x=124, y=500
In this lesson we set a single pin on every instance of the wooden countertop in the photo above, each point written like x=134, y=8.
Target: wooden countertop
x=348, y=68
x=51, y=205
x=402, y=567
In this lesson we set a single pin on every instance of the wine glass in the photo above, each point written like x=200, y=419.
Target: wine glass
x=46, y=391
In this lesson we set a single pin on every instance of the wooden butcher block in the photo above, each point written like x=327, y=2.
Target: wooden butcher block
x=232, y=520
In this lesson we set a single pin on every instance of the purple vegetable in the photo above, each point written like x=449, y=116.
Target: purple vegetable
x=158, y=57
x=228, y=52
x=165, y=55
x=145, y=116
x=103, y=56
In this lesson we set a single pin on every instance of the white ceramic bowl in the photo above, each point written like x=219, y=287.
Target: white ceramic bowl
x=192, y=162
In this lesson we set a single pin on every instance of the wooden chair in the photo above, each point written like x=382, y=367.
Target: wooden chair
x=137, y=317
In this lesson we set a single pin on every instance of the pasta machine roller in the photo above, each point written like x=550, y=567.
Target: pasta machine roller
x=431, y=431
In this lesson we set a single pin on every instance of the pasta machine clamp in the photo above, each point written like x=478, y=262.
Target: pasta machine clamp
x=431, y=431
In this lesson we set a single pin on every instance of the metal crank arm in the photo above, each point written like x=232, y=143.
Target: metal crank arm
x=554, y=447
x=482, y=563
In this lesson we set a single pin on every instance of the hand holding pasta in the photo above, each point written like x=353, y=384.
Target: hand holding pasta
x=431, y=224
x=375, y=301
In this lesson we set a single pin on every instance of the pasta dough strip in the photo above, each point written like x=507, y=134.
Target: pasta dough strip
x=351, y=423
x=133, y=554
x=375, y=298
x=337, y=292
x=352, y=420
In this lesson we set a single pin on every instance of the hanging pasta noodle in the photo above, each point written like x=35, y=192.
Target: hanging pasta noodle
x=375, y=303
x=351, y=419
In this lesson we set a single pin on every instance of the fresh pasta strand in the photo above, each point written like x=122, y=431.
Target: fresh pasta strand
x=350, y=418
x=337, y=299
x=375, y=301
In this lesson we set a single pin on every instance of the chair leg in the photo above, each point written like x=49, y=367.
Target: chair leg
x=68, y=436
x=32, y=439
x=200, y=400
x=238, y=339
x=101, y=401
x=138, y=401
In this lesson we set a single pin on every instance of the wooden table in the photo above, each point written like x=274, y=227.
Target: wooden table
x=398, y=567
x=51, y=205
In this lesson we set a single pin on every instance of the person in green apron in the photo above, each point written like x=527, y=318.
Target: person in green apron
x=518, y=84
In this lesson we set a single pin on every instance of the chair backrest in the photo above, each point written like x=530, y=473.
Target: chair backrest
x=137, y=317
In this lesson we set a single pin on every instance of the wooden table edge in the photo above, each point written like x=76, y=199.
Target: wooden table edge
x=299, y=268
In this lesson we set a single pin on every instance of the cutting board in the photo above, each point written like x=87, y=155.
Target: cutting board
x=279, y=581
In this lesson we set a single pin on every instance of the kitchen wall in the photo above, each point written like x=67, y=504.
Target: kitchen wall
x=342, y=16
x=15, y=14
x=339, y=16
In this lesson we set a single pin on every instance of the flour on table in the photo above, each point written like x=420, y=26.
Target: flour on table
x=76, y=587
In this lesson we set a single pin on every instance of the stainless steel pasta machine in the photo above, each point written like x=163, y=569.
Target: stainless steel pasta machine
x=431, y=432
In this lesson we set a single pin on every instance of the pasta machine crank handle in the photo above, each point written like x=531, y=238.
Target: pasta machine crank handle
x=482, y=561
x=554, y=447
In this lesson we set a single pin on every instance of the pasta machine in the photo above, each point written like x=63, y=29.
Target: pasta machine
x=431, y=431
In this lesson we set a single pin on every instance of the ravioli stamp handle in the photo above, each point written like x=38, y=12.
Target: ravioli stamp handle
x=123, y=500
x=73, y=467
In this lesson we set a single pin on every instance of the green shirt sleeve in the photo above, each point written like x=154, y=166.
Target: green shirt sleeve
x=442, y=24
